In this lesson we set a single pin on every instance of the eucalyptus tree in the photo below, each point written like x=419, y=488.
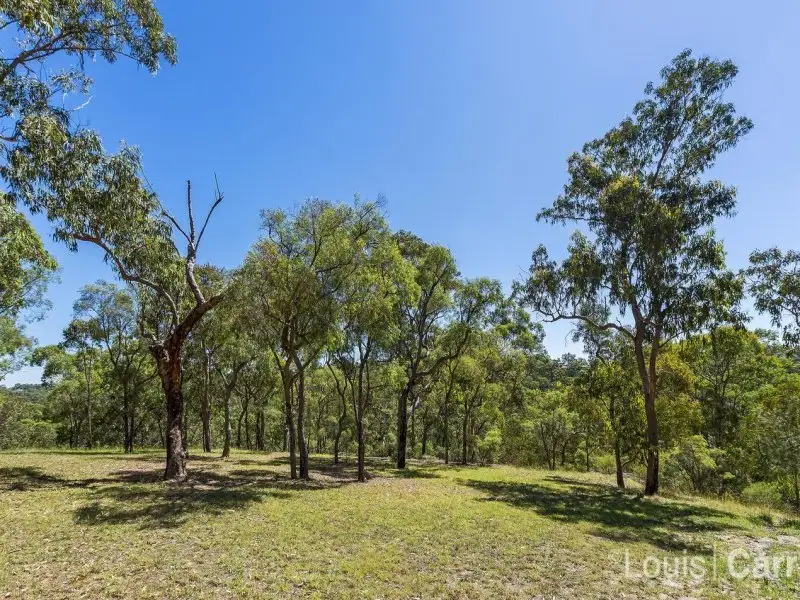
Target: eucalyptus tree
x=775, y=425
x=652, y=255
x=107, y=315
x=475, y=302
x=419, y=315
x=94, y=196
x=25, y=270
x=258, y=385
x=64, y=380
x=43, y=67
x=774, y=283
x=207, y=339
x=478, y=379
x=295, y=273
x=368, y=303
x=109, y=207
x=729, y=364
x=609, y=384
x=235, y=352
x=78, y=338
x=42, y=85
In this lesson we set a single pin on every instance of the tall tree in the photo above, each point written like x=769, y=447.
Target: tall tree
x=653, y=255
x=107, y=316
x=368, y=303
x=88, y=194
x=421, y=313
x=135, y=232
x=774, y=283
x=39, y=93
x=295, y=273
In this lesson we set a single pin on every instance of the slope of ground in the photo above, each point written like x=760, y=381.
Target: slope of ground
x=102, y=524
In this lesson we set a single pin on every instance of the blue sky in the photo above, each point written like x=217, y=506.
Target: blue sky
x=462, y=113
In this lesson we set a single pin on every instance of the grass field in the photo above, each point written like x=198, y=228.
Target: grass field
x=102, y=524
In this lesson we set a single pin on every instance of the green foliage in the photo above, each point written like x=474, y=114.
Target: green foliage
x=763, y=493
x=692, y=464
x=22, y=419
x=650, y=255
x=775, y=286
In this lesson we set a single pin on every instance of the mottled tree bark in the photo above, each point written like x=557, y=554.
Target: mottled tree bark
x=168, y=364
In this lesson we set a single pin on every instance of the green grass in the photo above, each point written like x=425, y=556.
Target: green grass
x=102, y=524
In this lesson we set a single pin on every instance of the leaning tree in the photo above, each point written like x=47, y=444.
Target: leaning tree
x=651, y=257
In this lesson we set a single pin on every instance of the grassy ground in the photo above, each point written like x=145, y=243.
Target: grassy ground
x=98, y=524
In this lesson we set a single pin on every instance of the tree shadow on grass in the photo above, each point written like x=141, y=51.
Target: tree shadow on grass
x=24, y=479
x=410, y=473
x=620, y=516
x=158, y=507
x=141, y=498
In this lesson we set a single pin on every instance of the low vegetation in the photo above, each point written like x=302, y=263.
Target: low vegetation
x=91, y=524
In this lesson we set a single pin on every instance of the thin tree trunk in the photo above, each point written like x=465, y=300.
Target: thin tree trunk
x=648, y=390
x=588, y=463
x=87, y=375
x=126, y=428
x=247, y=421
x=447, y=422
x=402, y=425
x=289, y=436
x=425, y=426
x=414, y=430
x=239, y=430
x=132, y=431
x=464, y=433
x=301, y=434
x=617, y=450
x=339, y=428
x=361, y=448
x=651, y=482
x=206, y=412
x=618, y=461
x=226, y=447
x=260, y=431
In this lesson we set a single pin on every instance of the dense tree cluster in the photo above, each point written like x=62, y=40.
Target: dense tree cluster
x=337, y=335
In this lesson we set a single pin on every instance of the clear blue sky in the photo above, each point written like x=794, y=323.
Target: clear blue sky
x=461, y=112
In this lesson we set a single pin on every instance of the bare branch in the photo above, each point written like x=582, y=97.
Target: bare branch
x=126, y=275
x=217, y=200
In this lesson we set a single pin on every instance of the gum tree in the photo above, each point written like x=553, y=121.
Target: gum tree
x=90, y=195
x=42, y=85
x=368, y=302
x=107, y=315
x=294, y=276
x=651, y=257
x=774, y=283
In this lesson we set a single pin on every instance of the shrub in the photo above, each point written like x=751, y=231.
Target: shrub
x=763, y=493
x=605, y=463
